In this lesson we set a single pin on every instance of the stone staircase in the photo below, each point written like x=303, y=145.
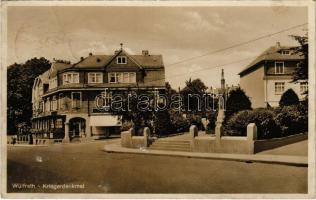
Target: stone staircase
x=170, y=145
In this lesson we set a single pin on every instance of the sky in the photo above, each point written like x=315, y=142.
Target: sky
x=180, y=34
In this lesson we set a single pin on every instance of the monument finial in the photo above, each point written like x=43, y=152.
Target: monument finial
x=222, y=81
x=121, y=45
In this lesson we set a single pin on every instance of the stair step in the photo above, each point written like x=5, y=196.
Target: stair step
x=170, y=145
x=171, y=142
x=170, y=148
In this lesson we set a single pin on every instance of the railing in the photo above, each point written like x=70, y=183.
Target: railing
x=36, y=140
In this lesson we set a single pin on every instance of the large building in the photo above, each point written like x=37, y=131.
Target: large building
x=266, y=78
x=64, y=97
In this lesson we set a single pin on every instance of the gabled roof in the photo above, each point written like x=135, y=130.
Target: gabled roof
x=144, y=61
x=44, y=77
x=272, y=53
x=150, y=61
x=120, y=52
x=93, y=61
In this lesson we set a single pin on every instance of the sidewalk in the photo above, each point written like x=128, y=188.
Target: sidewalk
x=294, y=149
x=279, y=159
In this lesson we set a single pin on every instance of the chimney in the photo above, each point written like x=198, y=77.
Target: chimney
x=90, y=54
x=145, y=52
x=278, y=44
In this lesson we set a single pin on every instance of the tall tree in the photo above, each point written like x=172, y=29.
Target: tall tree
x=301, y=71
x=20, y=78
x=237, y=100
x=193, y=96
x=134, y=106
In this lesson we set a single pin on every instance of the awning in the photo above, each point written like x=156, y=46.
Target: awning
x=104, y=120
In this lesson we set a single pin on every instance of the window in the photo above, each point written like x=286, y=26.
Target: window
x=285, y=52
x=95, y=77
x=121, y=60
x=59, y=123
x=61, y=101
x=41, y=89
x=279, y=87
x=112, y=78
x=303, y=87
x=52, y=83
x=76, y=99
x=40, y=106
x=125, y=77
x=132, y=77
x=52, y=125
x=279, y=67
x=122, y=77
x=70, y=78
x=54, y=103
x=104, y=101
x=47, y=105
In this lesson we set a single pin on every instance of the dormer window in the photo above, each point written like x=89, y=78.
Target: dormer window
x=285, y=52
x=52, y=83
x=121, y=60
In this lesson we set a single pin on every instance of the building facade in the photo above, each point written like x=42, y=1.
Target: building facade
x=64, y=97
x=266, y=78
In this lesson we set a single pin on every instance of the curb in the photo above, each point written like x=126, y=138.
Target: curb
x=248, y=158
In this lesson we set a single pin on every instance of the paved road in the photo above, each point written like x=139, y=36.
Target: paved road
x=102, y=172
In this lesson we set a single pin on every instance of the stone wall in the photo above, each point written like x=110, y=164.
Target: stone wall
x=238, y=144
x=223, y=144
x=261, y=145
x=129, y=140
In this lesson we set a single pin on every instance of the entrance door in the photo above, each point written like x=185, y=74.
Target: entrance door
x=76, y=130
x=76, y=127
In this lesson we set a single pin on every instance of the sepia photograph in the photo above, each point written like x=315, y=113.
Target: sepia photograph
x=180, y=99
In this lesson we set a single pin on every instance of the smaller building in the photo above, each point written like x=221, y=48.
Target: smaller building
x=267, y=77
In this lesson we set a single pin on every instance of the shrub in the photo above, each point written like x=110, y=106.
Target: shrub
x=237, y=101
x=126, y=125
x=292, y=119
x=212, y=121
x=263, y=118
x=288, y=98
x=195, y=119
x=179, y=122
x=162, y=123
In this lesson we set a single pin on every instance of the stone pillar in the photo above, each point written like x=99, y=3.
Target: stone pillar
x=218, y=131
x=132, y=131
x=146, y=136
x=66, y=138
x=251, y=132
x=126, y=138
x=205, y=122
x=251, y=137
x=193, y=134
x=193, y=131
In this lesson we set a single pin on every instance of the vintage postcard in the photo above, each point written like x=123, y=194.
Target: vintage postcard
x=147, y=99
